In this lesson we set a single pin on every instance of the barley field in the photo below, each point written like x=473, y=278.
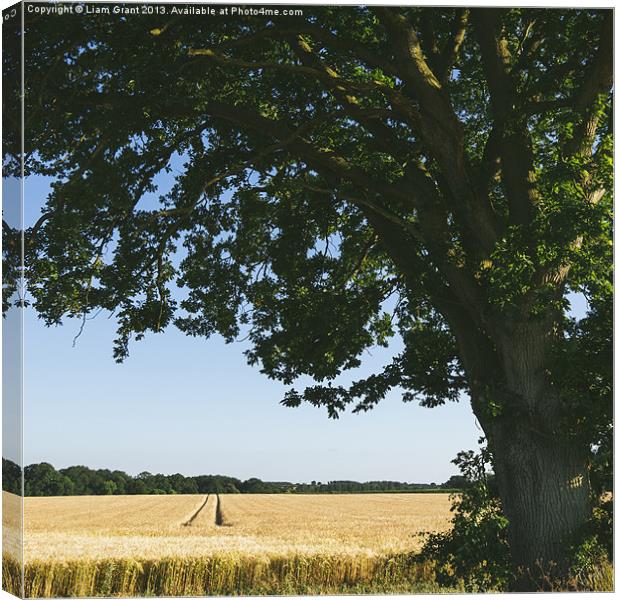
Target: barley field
x=226, y=544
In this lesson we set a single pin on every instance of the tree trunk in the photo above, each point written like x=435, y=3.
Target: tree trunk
x=545, y=493
x=541, y=466
x=541, y=469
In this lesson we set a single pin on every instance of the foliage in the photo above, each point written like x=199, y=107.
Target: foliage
x=589, y=556
x=339, y=178
x=298, y=195
x=11, y=477
x=583, y=369
x=474, y=554
x=43, y=480
x=594, y=548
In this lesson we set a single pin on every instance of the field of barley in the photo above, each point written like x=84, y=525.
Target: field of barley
x=226, y=544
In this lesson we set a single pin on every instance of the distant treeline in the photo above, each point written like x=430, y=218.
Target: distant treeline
x=43, y=479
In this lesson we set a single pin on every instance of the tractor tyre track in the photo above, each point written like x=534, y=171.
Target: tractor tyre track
x=219, y=520
x=189, y=522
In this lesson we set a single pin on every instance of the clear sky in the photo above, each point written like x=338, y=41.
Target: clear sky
x=180, y=404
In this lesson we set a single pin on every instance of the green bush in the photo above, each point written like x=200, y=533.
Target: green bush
x=474, y=555
x=592, y=554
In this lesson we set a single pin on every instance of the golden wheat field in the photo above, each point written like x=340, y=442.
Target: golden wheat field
x=117, y=515
x=148, y=527
x=226, y=544
x=351, y=523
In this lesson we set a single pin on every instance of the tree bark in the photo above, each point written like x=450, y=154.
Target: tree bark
x=544, y=488
x=541, y=468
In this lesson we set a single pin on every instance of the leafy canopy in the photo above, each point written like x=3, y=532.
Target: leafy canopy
x=345, y=176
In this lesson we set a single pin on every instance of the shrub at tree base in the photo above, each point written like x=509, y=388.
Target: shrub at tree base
x=475, y=554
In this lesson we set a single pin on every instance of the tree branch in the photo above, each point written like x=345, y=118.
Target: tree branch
x=515, y=145
x=496, y=60
x=327, y=38
x=432, y=225
x=598, y=80
x=402, y=106
x=346, y=84
x=450, y=52
x=440, y=130
x=323, y=159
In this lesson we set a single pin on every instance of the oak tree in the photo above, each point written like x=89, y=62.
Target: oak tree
x=347, y=175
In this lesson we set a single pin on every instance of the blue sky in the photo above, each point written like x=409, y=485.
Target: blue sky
x=11, y=341
x=181, y=404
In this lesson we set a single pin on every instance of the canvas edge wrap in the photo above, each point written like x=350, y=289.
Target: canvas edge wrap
x=12, y=331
